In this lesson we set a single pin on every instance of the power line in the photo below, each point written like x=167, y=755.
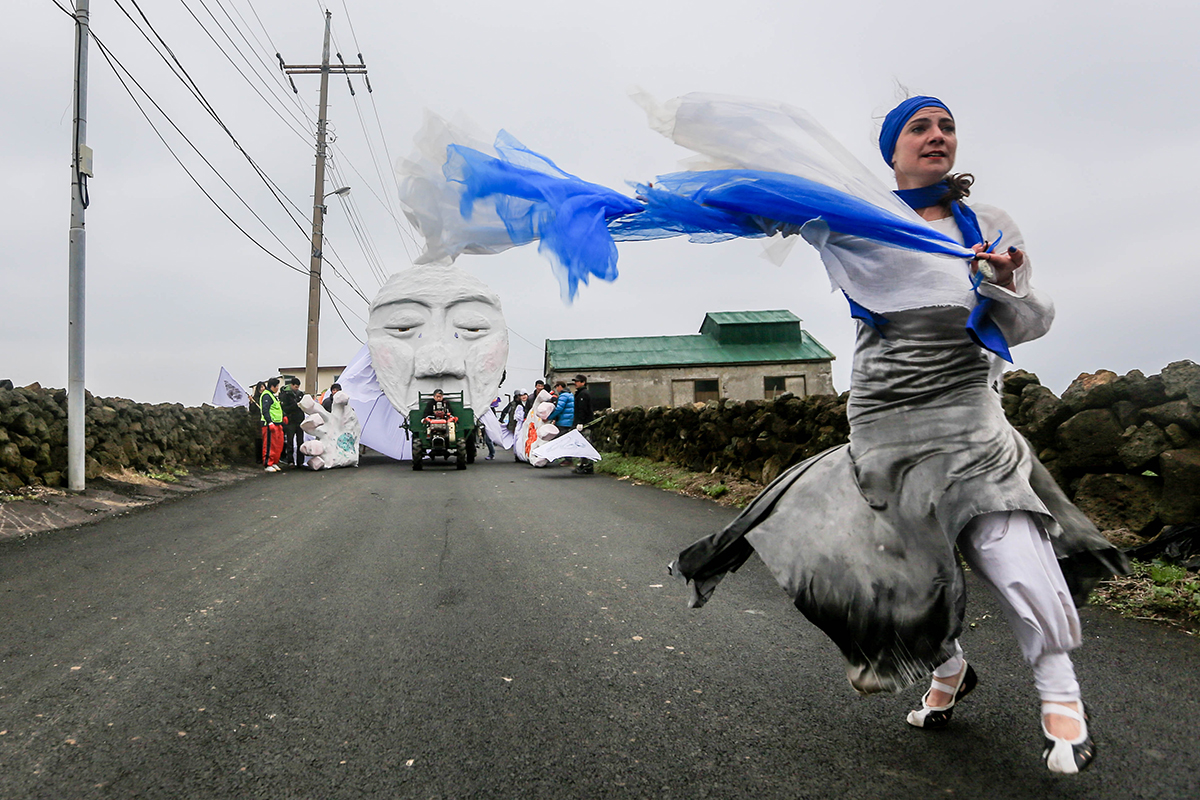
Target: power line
x=401, y=229
x=113, y=63
x=368, y=247
x=194, y=88
x=276, y=191
x=118, y=67
x=303, y=134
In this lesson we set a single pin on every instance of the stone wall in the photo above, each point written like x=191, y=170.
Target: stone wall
x=674, y=386
x=1125, y=448
x=754, y=439
x=120, y=434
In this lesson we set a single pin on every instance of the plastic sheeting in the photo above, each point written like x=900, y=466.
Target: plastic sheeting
x=767, y=168
x=570, y=445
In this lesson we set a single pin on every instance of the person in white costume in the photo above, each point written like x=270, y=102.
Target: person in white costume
x=863, y=536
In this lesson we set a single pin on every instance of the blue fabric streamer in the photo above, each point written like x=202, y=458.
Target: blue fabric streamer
x=578, y=223
x=537, y=200
x=740, y=194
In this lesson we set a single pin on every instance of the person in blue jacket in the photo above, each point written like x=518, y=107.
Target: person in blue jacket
x=563, y=414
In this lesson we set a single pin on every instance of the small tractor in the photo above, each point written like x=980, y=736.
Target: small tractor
x=446, y=435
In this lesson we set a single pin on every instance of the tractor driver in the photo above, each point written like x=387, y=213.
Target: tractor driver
x=438, y=412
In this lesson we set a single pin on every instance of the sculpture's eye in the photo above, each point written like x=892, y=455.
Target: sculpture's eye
x=405, y=325
x=472, y=326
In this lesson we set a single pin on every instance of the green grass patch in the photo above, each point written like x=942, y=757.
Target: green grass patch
x=641, y=470
x=1154, y=590
x=723, y=489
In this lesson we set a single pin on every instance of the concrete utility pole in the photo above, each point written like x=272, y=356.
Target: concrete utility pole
x=318, y=220
x=81, y=170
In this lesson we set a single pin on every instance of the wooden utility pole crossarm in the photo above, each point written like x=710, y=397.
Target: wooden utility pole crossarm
x=318, y=219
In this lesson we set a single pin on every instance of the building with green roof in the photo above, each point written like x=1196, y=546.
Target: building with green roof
x=741, y=355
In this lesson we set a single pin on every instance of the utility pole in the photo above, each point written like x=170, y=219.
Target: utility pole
x=81, y=170
x=318, y=219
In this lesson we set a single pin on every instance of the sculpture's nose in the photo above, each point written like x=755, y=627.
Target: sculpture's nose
x=436, y=359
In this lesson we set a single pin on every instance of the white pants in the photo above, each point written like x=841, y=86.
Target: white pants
x=1009, y=551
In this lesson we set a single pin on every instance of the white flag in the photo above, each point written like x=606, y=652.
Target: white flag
x=229, y=393
x=572, y=445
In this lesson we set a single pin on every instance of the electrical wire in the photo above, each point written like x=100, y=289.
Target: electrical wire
x=301, y=132
x=113, y=63
x=276, y=191
x=401, y=229
x=193, y=87
x=405, y=234
x=118, y=67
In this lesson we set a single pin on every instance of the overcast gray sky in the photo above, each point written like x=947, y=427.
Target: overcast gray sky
x=1078, y=118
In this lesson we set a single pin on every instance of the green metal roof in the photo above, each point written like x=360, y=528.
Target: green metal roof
x=752, y=327
x=750, y=317
x=665, y=351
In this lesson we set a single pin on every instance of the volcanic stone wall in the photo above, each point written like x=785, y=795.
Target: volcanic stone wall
x=120, y=434
x=1125, y=448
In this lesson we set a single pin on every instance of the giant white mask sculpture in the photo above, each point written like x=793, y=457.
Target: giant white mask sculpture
x=437, y=327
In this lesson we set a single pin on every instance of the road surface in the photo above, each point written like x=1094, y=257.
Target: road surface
x=502, y=632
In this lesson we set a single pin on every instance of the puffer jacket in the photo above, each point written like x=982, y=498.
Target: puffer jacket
x=563, y=414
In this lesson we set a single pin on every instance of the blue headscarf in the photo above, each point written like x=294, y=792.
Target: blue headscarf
x=893, y=123
x=982, y=329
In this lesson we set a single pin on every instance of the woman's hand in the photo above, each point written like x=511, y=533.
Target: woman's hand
x=1002, y=265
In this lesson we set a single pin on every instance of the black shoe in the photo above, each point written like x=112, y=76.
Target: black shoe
x=928, y=716
x=1067, y=756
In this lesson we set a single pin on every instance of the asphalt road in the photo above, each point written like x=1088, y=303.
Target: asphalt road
x=502, y=632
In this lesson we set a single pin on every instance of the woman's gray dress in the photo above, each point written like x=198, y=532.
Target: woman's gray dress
x=862, y=535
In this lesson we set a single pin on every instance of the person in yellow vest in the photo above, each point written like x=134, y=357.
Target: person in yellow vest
x=271, y=413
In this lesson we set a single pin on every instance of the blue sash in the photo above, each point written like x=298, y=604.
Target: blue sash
x=982, y=329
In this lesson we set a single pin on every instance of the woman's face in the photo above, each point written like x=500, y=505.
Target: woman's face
x=925, y=149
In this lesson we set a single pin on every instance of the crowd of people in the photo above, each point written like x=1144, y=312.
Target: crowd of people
x=279, y=415
x=545, y=414
x=277, y=404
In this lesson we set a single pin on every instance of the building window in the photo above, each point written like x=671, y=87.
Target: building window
x=601, y=396
x=773, y=387
x=706, y=390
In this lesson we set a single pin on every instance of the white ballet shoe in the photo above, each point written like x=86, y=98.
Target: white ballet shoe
x=928, y=716
x=1067, y=756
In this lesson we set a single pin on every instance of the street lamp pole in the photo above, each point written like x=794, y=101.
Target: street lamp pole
x=318, y=219
x=318, y=224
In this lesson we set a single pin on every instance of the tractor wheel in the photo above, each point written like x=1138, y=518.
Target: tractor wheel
x=418, y=459
x=460, y=459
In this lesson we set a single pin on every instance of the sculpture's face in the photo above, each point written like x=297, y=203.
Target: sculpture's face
x=437, y=327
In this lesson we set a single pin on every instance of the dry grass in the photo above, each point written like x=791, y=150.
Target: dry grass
x=723, y=489
x=1154, y=591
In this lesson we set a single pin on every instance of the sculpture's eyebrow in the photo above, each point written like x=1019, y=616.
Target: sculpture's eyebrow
x=429, y=303
x=472, y=298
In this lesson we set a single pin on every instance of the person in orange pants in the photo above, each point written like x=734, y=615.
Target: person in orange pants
x=271, y=413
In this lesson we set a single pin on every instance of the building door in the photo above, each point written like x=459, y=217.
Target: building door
x=682, y=393
x=601, y=396
x=706, y=390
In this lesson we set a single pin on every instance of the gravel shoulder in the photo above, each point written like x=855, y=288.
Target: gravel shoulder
x=39, y=509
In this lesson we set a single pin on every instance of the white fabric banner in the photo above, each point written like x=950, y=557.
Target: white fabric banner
x=229, y=393
x=501, y=436
x=570, y=445
x=380, y=421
